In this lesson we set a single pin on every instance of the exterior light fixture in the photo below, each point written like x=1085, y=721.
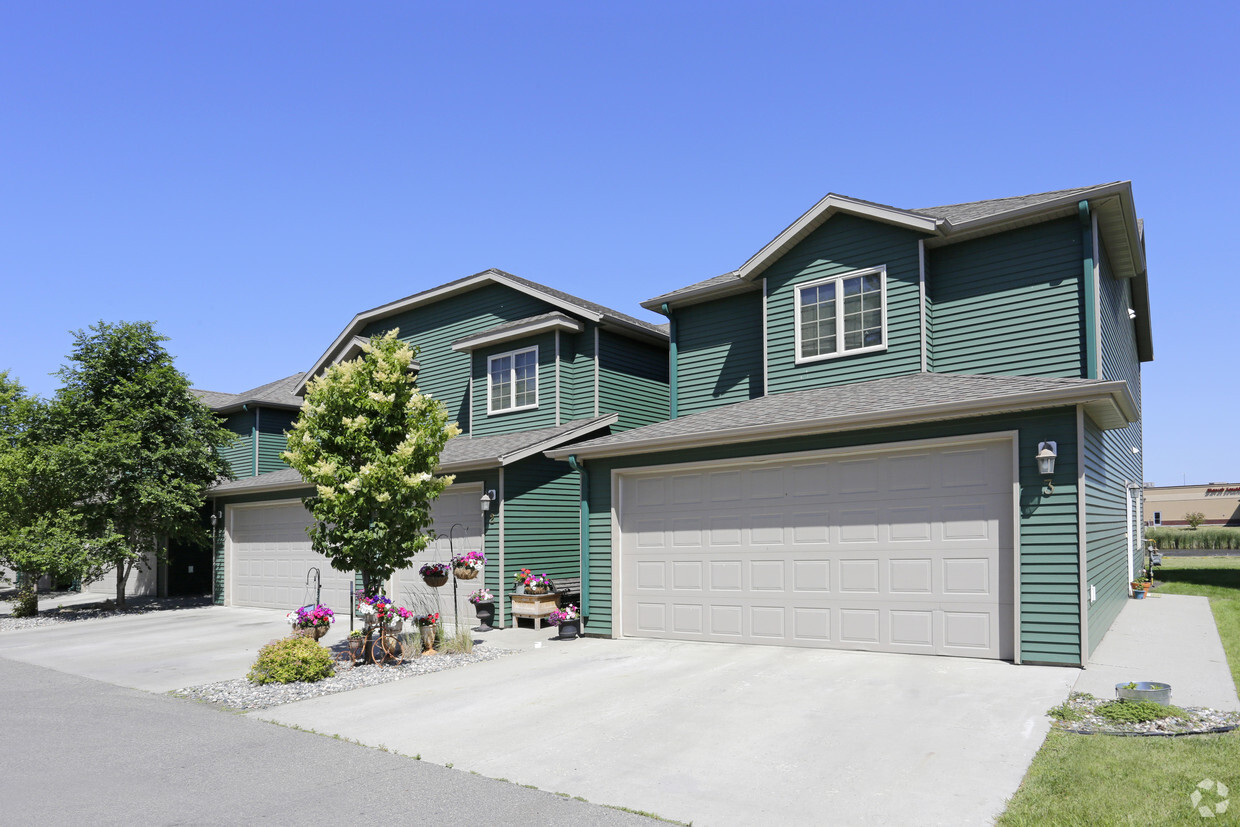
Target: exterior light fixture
x=488, y=497
x=1046, y=462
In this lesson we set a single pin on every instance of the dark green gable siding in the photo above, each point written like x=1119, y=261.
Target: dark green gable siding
x=577, y=374
x=272, y=424
x=1111, y=464
x=240, y=455
x=1008, y=303
x=542, y=522
x=434, y=327
x=507, y=421
x=632, y=381
x=1049, y=590
x=843, y=244
x=719, y=346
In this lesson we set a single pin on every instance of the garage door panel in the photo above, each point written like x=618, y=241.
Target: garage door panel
x=899, y=551
x=269, y=558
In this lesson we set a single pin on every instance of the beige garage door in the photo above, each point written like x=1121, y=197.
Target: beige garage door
x=270, y=555
x=456, y=512
x=902, y=551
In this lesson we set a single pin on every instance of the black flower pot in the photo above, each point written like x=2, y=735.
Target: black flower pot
x=570, y=629
x=486, y=611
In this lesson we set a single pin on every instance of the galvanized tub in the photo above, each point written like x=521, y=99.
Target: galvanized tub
x=1159, y=693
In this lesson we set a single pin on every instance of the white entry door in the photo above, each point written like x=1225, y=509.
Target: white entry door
x=906, y=550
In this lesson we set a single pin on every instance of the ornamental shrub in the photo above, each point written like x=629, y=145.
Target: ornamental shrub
x=291, y=659
x=1136, y=712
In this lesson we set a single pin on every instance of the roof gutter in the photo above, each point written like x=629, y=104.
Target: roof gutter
x=1115, y=393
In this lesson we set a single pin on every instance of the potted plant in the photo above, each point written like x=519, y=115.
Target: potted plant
x=467, y=566
x=568, y=620
x=518, y=581
x=356, y=639
x=484, y=605
x=435, y=574
x=427, y=624
x=537, y=584
x=311, y=621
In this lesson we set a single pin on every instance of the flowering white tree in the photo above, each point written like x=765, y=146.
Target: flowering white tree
x=370, y=443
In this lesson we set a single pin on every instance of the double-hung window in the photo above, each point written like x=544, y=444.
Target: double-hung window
x=841, y=315
x=512, y=381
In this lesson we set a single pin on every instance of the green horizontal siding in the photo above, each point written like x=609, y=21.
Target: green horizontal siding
x=508, y=421
x=240, y=455
x=843, y=244
x=542, y=521
x=272, y=425
x=1009, y=303
x=719, y=346
x=434, y=327
x=633, y=381
x=577, y=374
x=1050, y=592
x=1112, y=460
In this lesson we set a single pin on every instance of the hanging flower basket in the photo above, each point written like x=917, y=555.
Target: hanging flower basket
x=434, y=574
x=464, y=573
x=467, y=566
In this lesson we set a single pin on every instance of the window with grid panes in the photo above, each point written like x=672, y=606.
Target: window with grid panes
x=841, y=315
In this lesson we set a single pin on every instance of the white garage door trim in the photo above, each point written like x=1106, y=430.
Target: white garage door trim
x=1009, y=648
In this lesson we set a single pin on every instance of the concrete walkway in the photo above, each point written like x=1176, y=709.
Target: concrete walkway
x=1170, y=638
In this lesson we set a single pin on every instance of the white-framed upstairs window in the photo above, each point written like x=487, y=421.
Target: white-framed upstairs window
x=842, y=315
x=512, y=381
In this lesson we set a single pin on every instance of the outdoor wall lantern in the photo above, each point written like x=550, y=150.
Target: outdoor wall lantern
x=1046, y=462
x=488, y=497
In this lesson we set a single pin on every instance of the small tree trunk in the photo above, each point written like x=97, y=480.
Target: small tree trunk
x=27, y=603
x=122, y=574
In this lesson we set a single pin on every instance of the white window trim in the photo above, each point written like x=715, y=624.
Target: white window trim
x=1158, y=518
x=512, y=395
x=839, y=316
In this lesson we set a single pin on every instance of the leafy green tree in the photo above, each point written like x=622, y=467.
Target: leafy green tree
x=370, y=444
x=40, y=531
x=1194, y=519
x=145, y=448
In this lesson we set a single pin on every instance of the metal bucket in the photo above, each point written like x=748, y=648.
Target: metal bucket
x=1159, y=693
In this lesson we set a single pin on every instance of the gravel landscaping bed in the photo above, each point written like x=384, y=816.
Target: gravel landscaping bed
x=1198, y=720
x=240, y=694
x=94, y=611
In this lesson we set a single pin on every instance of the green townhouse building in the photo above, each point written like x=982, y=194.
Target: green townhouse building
x=522, y=368
x=841, y=444
x=851, y=458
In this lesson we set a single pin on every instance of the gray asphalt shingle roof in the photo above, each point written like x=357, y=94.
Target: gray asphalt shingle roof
x=463, y=450
x=278, y=394
x=972, y=210
x=517, y=323
x=876, y=398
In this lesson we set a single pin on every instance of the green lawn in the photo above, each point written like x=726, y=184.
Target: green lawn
x=1099, y=779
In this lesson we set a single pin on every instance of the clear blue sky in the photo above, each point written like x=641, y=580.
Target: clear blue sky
x=248, y=176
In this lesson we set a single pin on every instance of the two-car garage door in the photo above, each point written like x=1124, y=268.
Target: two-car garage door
x=902, y=551
x=269, y=555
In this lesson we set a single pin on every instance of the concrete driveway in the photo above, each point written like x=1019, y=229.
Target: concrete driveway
x=708, y=733
x=721, y=734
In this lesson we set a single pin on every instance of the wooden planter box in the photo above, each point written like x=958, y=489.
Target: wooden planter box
x=537, y=607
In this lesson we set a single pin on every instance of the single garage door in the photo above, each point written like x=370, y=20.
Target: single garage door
x=270, y=556
x=896, y=551
x=459, y=513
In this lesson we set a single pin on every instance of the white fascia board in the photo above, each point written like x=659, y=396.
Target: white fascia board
x=558, y=322
x=530, y=450
x=818, y=214
x=433, y=295
x=700, y=294
x=258, y=489
x=1112, y=392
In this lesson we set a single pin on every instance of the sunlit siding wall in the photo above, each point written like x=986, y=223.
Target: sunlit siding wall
x=632, y=380
x=843, y=244
x=542, y=416
x=1009, y=303
x=240, y=455
x=272, y=425
x=434, y=327
x=719, y=346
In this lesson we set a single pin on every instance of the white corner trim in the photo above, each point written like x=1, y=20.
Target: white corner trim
x=921, y=292
x=1082, y=537
x=617, y=575
x=766, y=346
x=1016, y=602
x=499, y=504
x=596, y=370
x=557, y=376
x=1093, y=217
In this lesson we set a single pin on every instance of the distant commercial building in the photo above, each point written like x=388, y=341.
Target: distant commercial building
x=1218, y=501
